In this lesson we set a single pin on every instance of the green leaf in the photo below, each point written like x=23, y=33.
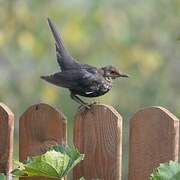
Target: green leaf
x=55, y=163
x=167, y=171
x=72, y=156
x=2, y=176
x=82, y=178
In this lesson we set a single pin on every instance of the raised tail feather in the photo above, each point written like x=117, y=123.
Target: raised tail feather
x=65, y=60
x=57, y=37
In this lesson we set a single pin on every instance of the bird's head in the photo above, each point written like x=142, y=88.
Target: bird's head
x=112, y=72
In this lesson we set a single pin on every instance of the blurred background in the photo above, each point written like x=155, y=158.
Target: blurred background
x=138, y=36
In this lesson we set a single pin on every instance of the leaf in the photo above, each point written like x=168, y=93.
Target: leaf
x=74, y=157
x=2, y=176
x=82, y=178
x=55, y=163
x=167, y=171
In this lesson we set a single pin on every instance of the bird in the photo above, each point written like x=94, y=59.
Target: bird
x=81, y=79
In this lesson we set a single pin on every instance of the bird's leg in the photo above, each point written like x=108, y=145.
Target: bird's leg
x=78, y=100
x=93, y=103
x=84, y=103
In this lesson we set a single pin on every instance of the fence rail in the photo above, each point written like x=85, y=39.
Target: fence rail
x=153, y=139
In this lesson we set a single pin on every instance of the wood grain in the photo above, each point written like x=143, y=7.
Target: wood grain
x=40, y=127
x=6, y=139
x=98, y=135
x=154, y=136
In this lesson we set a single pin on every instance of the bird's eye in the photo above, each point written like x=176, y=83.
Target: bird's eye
x=113, y=72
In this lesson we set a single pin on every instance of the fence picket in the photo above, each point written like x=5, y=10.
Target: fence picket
x=6, y=139
x=98, y=134
x=40, y=126
x=154, y=138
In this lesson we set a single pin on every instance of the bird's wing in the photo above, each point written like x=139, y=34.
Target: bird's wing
x=64, y=59
x=89, y=68
x=73, y=79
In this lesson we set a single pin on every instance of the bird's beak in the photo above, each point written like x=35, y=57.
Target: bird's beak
x=123, y=75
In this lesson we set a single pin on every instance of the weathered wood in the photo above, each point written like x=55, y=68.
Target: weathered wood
x=154, y=136
x=6, y=139
x=98, y=135
x=40, y=127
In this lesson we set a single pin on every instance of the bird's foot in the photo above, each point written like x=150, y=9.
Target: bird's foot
x=86, y=106
x=93, y=103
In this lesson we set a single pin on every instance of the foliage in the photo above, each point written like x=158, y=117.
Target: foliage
x=82, y=178
x=167, y=171
x=2, y=176
x=57, y=162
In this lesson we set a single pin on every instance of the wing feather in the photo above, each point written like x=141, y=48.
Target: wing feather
x=72, y=79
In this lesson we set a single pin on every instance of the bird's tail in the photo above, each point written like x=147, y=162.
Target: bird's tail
x=64, y=59
x=57, y=37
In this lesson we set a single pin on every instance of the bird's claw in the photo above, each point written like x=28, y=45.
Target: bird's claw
x=87, y=106
x=93, y=103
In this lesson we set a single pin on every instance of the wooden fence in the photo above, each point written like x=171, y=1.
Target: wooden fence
x=153, y=139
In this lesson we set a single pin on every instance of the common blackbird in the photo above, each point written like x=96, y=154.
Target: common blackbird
x=80, y=79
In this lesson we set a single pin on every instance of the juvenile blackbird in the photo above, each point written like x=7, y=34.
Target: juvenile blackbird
x=80, y=79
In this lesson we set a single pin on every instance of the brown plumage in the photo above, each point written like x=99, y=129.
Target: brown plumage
x=80, y=79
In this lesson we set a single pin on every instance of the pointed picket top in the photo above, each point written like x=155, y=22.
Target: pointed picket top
x=154, y=137
x=98, y=135
x=6, y=139
x=40, y=127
